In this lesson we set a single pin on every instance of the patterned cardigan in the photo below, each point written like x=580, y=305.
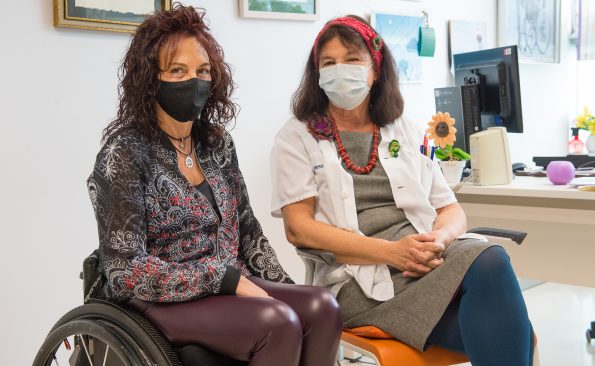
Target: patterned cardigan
x=159, y=238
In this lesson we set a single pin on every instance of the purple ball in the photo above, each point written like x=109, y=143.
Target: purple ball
x=560, y=171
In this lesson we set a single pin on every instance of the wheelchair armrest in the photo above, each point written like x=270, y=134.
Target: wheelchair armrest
x=317, y=255
x=516, y=236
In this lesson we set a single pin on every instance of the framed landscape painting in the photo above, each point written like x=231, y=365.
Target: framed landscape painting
x=109, y=15
x=280, y=9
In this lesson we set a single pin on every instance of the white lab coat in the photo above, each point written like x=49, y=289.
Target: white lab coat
x=303, y=167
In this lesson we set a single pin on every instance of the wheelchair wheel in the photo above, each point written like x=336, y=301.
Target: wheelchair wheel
x=84, y=343
x=111, y=335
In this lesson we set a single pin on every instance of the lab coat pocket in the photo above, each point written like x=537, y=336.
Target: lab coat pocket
x=425, y=173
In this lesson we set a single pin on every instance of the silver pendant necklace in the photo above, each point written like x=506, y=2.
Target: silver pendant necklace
x=188, y=157
x=188, y=161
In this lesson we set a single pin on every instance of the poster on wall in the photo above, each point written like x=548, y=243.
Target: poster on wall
x=532, y=25
x=466, y=36
x=400, y=33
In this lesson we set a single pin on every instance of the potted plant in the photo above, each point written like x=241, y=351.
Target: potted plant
x=586, y=121
x=452, y=161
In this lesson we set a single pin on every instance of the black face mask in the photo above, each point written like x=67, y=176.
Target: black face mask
x=183, y=100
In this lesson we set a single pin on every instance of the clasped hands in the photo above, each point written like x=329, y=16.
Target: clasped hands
x=418, y=254
x=415, y=255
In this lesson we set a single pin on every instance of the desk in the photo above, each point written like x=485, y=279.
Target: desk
x=560, y=222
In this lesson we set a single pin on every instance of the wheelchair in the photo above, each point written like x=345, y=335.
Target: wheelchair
x=101, y=332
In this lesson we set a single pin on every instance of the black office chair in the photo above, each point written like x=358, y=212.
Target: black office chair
x=101, y=332
x=590, y=332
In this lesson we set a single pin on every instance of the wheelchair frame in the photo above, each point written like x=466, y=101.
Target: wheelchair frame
x=104, y=332
x=107, y=333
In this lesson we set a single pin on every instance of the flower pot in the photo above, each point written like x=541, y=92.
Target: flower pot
x=590, y=144
x=452, y=169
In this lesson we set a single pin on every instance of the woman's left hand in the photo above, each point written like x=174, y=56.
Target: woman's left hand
x=441, y=239
x=427, y=260
x=249, y=289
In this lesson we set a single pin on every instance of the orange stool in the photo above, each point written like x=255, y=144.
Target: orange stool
x=380, y=346
x=387, y=351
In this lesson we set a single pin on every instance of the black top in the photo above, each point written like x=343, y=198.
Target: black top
x=204, y=188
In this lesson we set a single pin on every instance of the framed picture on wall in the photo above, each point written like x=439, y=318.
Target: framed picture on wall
x=466, y=36
x=532, y=25
x=109, y=15
x=280, y=9
x=401, y=34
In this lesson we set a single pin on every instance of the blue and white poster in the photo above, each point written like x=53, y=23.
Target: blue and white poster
x=400, y=33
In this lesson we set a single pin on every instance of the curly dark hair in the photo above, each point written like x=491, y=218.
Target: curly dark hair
x=386, y=102
x=139, y=76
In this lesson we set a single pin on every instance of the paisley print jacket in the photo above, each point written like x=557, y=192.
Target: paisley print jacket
x=159, y=238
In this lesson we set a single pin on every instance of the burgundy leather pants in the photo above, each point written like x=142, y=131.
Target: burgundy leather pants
x=300, y=325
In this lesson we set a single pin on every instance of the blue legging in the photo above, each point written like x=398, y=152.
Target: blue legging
x=488, y=319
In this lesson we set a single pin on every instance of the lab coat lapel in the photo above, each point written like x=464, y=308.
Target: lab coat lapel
x=402, y=171
x=341, y=187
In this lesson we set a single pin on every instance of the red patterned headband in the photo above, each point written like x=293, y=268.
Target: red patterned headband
x=370, y=37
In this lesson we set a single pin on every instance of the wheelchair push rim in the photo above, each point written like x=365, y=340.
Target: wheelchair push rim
x=137, y=341
x=84, y=342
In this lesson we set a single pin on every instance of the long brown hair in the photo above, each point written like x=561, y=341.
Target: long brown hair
x=386, y=102
x=139, y=76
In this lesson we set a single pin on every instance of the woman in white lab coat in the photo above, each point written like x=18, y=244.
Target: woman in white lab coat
x=403, y=262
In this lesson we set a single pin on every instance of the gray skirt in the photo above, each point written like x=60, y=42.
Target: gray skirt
x=418, y=304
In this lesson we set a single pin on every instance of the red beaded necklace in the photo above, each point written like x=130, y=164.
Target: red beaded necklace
x=348, y=163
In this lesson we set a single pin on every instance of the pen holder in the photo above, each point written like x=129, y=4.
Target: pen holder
x=560, y=171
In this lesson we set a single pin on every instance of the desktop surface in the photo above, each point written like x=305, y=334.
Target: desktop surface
x=535, y=192
x=535, y=187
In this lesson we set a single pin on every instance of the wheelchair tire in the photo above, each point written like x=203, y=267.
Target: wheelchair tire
x=127, y=327
x=85, y=329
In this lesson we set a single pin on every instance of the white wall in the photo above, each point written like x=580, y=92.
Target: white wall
x=585, y=90
x=548, y=94
x=585, y=93
x=59, y=90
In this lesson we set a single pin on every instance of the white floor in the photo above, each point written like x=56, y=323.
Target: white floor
x=560, y=315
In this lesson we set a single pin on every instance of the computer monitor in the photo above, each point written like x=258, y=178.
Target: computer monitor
x=490, y=89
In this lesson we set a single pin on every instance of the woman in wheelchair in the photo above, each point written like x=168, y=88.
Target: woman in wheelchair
x=348, y=178
x=178, y=240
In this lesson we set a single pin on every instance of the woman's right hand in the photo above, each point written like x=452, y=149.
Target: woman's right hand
x=249, y=289
x=416, y=255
